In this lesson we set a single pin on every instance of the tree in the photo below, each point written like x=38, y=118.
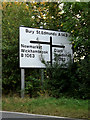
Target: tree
x=76, y=21
x=14, y=15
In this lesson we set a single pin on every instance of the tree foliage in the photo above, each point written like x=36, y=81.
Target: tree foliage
x=14, y=15
x=72, y=81
x=76, y=22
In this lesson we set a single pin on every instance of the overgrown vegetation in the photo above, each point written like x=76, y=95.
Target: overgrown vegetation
x=72, y=18
x=72, y=81
x=47, y=106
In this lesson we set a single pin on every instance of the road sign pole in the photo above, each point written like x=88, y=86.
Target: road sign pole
x=22, y=83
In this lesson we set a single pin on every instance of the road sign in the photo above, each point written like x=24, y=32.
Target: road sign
x=36, y=44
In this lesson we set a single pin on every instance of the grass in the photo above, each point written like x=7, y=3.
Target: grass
x=64, y=107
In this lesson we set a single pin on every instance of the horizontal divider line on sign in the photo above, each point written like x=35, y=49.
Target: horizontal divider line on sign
x=48, y=43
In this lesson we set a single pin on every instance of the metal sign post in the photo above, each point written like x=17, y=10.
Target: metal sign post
x=22, y=83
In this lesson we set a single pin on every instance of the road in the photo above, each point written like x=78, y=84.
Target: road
x=25, y=116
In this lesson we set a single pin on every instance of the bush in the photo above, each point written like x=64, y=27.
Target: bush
x=83, y=72
x=32, y=86
x=72, y=81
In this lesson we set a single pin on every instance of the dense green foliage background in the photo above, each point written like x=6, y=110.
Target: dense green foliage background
x=69, y=17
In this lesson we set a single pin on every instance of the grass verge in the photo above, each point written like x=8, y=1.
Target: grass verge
x=64, y=107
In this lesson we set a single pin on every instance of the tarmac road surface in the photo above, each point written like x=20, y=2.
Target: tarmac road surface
x=25, y=116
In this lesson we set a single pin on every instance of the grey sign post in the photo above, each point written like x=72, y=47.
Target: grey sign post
x=22, y=83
